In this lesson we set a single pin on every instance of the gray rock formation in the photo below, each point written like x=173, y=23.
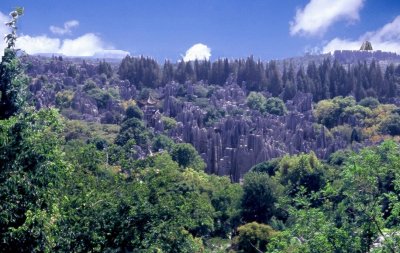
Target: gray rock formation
x=366, y=46
x=238, y=142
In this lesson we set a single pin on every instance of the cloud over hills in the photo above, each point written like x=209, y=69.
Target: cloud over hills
x=318, y=15
x=86, y=45
x=198, y=51
x=387, y=38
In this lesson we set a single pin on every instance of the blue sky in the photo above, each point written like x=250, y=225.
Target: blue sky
x=267, y=29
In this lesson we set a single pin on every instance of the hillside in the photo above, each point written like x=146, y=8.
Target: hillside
x=226, y=156
x=324, y=106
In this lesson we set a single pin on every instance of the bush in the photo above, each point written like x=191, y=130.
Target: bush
x=369, y=102
x=339, y=157
x=256, y=101
x=186, y=156
x=212, y=116
x=302, y=171
x=64, y=99
x=102, y=97
x=134, y=111
x=162, y=142
x=169, y=123
x=328, y=112
x=253, y=237
x=391, y=125
x=269, y=167
x=275, y=106
x=89, y=85
x=260, y=192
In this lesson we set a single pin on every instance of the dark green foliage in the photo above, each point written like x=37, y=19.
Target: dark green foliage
x=369, y=102
x=140, y=71
x=162, y=142
x=226, y=199
x=31, y=167
x=339, y=157
x=326, y=80
x=102, y=98
x=132, y=129
x=72, y=71
x=391, y=125
x=260, y=193
x=270, y=167
x=104, y=68
x=275, y=106
x=134, y=112
x=274, y=85
x=12, y=85
x=289, y=91
x=186, y=156
x=213, y=115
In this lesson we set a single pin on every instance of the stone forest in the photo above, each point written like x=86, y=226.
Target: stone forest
x=242, y=155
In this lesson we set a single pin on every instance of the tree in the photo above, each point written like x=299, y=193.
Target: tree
x=275, y=85
x=32, y=167
x=330, y=112
x=104, y=68
x=256, y=101
x=134, y=112
x=260, y=193
x=369, y=102
x=253, y=237
x=133, y=129
x=302, y=171
x=391, y=125
x=186, y=156
x=270, y=167
x=162, y=142
x=275, y=106
x=12, y=78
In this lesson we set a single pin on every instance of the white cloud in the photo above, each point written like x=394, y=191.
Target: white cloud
x=198, y=51
x=386, y=38
x=88, y=44
x=318, y=15
x=38, y=44
x=67, y=29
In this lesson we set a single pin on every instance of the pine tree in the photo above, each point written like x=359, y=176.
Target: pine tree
x=275, y=81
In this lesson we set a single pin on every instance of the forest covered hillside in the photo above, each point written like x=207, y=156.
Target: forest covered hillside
x=231, y=155
x=228, y=108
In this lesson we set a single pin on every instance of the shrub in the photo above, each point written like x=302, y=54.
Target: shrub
x=256, y=101
x=133, y=111
x=169, y=123
x=253, y=237
x=369, y=102
x=275, y=106
x=186, y=156
x=391, y=125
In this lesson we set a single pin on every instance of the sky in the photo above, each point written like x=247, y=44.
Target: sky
x=203, y=29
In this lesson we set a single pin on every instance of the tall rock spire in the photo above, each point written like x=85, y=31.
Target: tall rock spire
x=366, y=46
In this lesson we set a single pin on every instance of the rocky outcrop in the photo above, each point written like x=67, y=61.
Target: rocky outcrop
x=238, y=142
x=366, y=46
